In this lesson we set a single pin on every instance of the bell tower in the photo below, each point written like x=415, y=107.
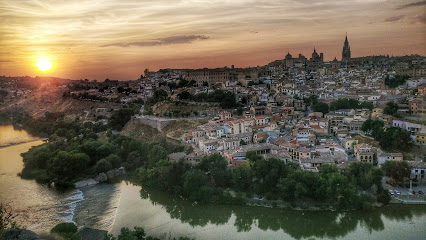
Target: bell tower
x=346, y=53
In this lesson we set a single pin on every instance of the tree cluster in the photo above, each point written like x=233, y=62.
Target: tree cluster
x=398, y=170
x=137, y=233
x=341, y=103
x=396, y=80
x=226, y=99
x=119, y=118
x=349, y=103
x=389, y=138
x=269, y=178
x=66, y=160
x=320, y=107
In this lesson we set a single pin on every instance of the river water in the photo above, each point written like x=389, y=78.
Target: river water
x=113, y=206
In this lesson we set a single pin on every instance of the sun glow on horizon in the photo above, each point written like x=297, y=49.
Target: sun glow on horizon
x=44, y=64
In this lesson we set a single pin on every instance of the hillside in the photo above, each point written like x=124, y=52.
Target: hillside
x=178, y=107
x=177, y=128
x=142, y=132
x=42, y=100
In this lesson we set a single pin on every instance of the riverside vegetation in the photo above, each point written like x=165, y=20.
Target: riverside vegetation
x=211, y=182
x=76, y=151
x=10, y=229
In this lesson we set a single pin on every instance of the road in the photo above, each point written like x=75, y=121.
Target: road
x=169, y=119
x=403, y=190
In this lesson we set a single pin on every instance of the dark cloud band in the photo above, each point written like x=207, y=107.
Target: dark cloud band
x=160, y=41
x=413, y=4
x=394, y=19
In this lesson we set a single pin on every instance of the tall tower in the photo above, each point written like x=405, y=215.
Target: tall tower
x=346, y=53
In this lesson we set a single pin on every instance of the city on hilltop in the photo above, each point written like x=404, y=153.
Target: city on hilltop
x=212, y=119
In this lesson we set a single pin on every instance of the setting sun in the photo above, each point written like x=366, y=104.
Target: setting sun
x=44, y=65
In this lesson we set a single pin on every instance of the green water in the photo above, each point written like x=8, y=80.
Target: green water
x=163, y=216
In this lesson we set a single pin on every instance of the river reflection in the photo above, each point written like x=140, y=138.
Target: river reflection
x=297, y=224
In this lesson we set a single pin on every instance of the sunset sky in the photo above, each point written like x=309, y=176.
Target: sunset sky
x=118, y=39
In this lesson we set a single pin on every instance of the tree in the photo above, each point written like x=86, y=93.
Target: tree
x=252, y=157
x=398, y=170
x=182, y=83
x=377, y=176
x=361, y=174
x=175, y=175
x=66, y=230
x=68, y=165
x=215, y=166
x=185, y=95
x=383, y=196
x=396, y=80
x=157, y=152
x=134, y=160
x=366, y=126
x=119, y=118
x=103, y=165
x=340, y=191
x=402, y=139
x=114, y=160
x=195, y=185
x=311, y=100
x=160, y=95
x=395, y=138
x=321, y=107
x=345, y=103
x=327, y=168
x=268, y=174
x=391, y=108
x=368, y=105
x=375, y=126
x=126, y=234
x=241, y=178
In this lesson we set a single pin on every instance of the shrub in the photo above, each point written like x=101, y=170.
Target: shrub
x=103, y=165
x=66, y=230
x=383, y=196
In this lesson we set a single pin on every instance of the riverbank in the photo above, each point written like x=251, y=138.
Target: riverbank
x=410, y=200
x=22, y=142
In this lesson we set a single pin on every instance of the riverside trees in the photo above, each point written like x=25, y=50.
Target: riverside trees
x=270, y=178
x=63, y=160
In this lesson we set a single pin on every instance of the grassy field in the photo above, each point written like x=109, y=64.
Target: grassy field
x=365, y=139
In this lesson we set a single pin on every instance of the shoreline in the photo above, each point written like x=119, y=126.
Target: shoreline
x=22, y=142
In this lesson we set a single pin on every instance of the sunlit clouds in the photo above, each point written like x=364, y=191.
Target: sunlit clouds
x=96, y=39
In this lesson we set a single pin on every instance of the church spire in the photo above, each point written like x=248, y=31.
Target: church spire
x=346, y=53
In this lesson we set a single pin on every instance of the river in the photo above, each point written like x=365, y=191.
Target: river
x=113, y=206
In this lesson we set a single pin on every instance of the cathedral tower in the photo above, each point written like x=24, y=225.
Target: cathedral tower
x=346, y=53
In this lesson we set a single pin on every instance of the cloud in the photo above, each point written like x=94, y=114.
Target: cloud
x=413, y=4
x=394, y=19
x=160, y=41
x=422, y=18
